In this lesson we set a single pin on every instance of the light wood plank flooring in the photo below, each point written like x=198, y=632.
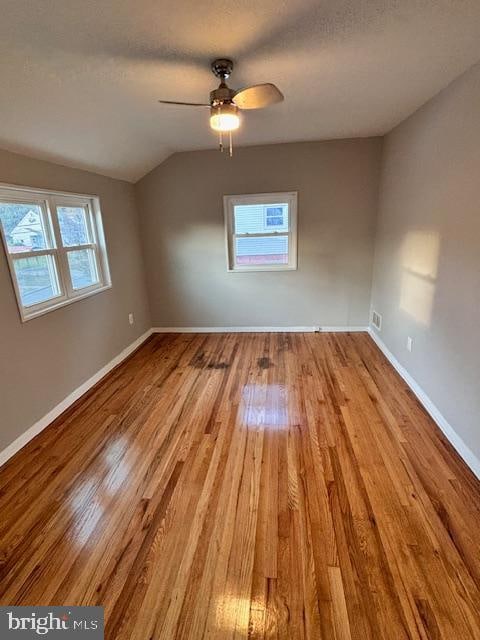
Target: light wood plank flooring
x=247, y=486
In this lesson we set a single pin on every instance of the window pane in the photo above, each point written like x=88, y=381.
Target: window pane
x=23, y=226
x=37, y=279
x=260, y=218
x=261, y=251
x=83, y=268
x=73, y=226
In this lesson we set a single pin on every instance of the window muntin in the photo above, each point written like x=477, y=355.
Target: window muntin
x=55, y=247
x=261, y=232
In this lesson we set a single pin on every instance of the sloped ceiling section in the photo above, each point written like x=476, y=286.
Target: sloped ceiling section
x=81, y=78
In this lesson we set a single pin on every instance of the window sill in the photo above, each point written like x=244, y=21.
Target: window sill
x=41, y=312
x=260, y=268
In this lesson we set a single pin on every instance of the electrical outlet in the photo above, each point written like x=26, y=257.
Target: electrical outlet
x=409, y=343
x=131, y=319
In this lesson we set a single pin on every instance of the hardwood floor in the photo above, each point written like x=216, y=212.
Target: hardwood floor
x=247, y=486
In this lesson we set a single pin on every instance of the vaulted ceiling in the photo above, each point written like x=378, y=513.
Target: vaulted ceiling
x=81, y=78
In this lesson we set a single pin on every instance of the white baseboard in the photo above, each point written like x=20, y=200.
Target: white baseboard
x=463, y=450
x=232, y=329
x=39, y=426
x=343, y=329
x=256, y=329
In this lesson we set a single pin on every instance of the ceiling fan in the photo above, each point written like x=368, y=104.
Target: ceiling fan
x=225, y=103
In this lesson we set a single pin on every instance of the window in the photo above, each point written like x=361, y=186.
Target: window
x=55, y=247
x=261, y=232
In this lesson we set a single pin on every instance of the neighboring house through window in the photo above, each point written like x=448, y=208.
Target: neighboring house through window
x=261, y=232
x=275, y=216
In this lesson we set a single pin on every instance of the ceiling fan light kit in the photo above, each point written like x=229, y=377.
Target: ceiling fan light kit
x=224, y=117
x=225, y=102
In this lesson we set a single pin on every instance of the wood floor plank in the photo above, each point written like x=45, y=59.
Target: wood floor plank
x=247, y=486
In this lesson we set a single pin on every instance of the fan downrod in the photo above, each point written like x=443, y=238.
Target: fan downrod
x=222, y=68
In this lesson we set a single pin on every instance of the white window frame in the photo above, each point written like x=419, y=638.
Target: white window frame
x=229, y=202
x=48, y=201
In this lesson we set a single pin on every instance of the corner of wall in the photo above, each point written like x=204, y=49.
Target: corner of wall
x=377, y=218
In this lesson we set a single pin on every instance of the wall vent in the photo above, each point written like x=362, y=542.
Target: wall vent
x=377, y=320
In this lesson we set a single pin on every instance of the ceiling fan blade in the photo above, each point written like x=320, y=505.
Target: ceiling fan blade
x=185, y=104
x=258, y=96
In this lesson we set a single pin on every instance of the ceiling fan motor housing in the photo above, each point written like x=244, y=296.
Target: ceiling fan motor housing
x=222, y=68
x=221, y=95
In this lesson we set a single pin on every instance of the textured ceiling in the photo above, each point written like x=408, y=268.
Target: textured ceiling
x=81, y=78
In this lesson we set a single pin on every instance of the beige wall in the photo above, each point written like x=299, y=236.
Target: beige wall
x=427, y=267
x=184, y=239
x=45, y=359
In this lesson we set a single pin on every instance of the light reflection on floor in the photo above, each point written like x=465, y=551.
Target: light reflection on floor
x=264, y=405
x=119, y=460
x=89, y=510
x=232, y=614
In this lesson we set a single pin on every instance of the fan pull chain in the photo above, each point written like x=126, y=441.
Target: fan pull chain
x=220, y=133
x=230, y=141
